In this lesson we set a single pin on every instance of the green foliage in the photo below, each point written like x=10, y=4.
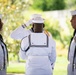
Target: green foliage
x=41, y=5
x=71, y=30
x=13, y=16
x=58, y=5
x=61, y=35
x=53, y=27
x=70, y=4
x=46, y=5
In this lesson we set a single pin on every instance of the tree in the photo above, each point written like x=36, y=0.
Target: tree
x=12, y=15
x=58, y=5
x=46, y=5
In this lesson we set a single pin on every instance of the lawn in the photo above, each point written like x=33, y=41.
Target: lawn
x=15, y=67
x=60, y=66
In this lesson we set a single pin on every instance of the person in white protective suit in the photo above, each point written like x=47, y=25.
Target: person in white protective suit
x=37, y=47
x=71, y=69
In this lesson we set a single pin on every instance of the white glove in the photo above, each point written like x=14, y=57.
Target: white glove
x=27, y=24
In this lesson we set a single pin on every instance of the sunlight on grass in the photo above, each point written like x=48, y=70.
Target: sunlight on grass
x=61, y=66
x=16, y=67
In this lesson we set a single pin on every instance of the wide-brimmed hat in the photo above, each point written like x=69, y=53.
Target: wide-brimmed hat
x=0, y=16
x=36, y=18
x=73, y=12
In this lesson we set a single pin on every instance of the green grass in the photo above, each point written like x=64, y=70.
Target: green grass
x=60, y=67
x=15, y=67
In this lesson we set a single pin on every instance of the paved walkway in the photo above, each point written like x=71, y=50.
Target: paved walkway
x=15, y=74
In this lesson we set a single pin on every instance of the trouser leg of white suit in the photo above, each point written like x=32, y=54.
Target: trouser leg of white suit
x=3, y=72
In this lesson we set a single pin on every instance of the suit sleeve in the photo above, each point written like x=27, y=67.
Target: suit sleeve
x=19, y=33
x=52, y=55
x=24, y=46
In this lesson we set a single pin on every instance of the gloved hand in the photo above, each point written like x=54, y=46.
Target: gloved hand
x=27, y=24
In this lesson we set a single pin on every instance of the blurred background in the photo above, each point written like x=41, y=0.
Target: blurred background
x=57, y=21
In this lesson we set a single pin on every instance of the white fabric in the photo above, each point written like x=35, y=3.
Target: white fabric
x=39, y=59
x=69, y=69
x=28, y=23
x=71, y=55
x=36, y=18
x=43, y=40
x=73, y=12
x=3, y=72
x=38, y=65
x=20, y=33
x=1, y=57
x=5, y=54
x=47, y=55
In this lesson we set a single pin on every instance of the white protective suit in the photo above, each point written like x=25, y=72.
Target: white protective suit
x=38, y=49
